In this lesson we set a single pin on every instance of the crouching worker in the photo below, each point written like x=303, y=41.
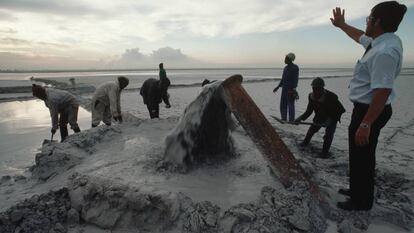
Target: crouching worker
x=328, y=111
x=106, y=102
x=153, y=92
x=63, y=108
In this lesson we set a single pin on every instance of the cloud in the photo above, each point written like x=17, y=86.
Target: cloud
x=13, y=41
x=133, y=58
x=130, y=59
x=92, y=29
x=155, y=20
x=20, y=61
x=6, y=16
x=7, y=31
x=63, y=7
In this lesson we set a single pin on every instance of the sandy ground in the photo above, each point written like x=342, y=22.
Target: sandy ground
x=130, y=154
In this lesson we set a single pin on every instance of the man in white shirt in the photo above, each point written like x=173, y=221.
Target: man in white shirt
x=372, y=92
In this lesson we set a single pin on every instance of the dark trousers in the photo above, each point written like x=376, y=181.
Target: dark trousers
x=327, y=138
x=154, y=110
x=63, y=125
x=287, y=104
x=362, y=158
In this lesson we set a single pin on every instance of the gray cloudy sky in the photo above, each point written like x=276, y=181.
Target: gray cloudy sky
x=49, y=34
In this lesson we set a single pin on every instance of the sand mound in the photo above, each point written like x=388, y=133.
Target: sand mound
x=55, y=158
x=111, y=205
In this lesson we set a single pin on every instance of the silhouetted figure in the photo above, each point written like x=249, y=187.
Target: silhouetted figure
x=153, y=92
x=288, y=83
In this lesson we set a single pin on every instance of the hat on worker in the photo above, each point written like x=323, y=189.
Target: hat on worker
x=318, y=82
x=123, y=82
x=39, y=91
x=291, y=56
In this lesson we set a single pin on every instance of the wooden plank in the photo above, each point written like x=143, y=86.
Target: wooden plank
x=275, y=151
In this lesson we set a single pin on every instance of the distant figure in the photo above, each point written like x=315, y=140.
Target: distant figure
x=206, y=81
x=153, y=92
x=162, y=73
x=372, y=91
x=328, y=111
x=288, y=83
x=72, y=81
x=106, y=102
x=63, y=108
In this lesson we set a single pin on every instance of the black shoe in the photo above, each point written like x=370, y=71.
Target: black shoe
x=346, y=192
x=349, y=206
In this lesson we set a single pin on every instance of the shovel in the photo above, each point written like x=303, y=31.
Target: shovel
x=47, y=141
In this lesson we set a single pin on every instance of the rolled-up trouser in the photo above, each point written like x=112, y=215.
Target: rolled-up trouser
x=101, y=112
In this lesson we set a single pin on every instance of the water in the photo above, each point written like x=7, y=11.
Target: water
x=23, y=127
x=177, y=76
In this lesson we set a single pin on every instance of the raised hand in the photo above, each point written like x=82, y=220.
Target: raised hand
x=338, y=19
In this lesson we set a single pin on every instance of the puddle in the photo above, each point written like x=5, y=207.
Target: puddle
x=23, y=127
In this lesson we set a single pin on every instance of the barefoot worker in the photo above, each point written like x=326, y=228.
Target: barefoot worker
x=288, y=83
x=106, y=102
x=153, y=92
x=372, y=92
x=63, y=108
x=328, y=111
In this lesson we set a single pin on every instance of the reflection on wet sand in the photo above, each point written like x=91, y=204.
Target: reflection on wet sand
x=23, y=126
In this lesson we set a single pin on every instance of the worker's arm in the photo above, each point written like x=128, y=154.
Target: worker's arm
x=307, y=113
x=54, y=115
x=338, y=20
x=375, y=109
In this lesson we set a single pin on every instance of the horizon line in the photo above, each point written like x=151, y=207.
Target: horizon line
x=151, y=69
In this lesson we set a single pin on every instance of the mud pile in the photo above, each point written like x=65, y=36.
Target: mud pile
x=203, y=132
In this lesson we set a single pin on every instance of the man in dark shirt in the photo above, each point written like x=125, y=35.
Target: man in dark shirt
x=328, y=111
x=153, y=92
x=288, y=83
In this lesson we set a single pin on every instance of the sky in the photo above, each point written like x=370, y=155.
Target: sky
x=130, y=34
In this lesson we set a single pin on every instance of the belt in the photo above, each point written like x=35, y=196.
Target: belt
x=361, y=105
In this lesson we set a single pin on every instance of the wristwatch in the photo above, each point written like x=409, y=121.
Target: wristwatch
x=364, y=125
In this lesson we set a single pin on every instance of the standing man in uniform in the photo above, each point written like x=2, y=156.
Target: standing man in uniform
x=372, y=92
x=288, y=83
